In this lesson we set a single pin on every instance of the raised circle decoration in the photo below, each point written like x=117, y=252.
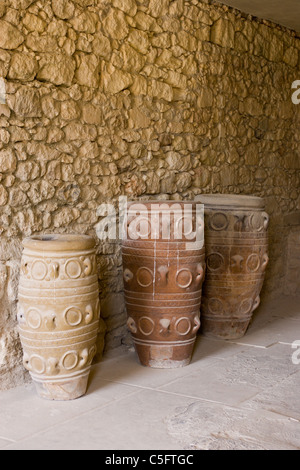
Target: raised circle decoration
x=253, y=262
x=183, y=326
x=34, y=319
x=146, y=326
x=219, y=221
x=73, y=269
x=215, y=261
x=70, y=360
x=39, y=270
x=73, y=316
x=37, y=364
x=215, y=306
x=245, y=306
x=257, y=221
x=144, y=277
x=184, y=278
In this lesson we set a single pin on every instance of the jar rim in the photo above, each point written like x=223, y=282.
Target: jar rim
x=231, y=200
x=59, y=242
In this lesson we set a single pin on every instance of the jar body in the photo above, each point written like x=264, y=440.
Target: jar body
x=58, y=313
x=163, y=281
x=236, y=242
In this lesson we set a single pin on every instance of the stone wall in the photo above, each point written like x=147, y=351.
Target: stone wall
x=292, y=279
x=153, y=98
x=292, y=272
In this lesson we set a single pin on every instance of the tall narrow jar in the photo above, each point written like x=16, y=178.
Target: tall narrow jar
x=236, y=244
x=164, y=265
x=58, y=313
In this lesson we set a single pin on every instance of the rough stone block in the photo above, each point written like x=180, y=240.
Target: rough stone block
x=23, y=67
x=58, y=69
x=222, y=33
x=10, y=36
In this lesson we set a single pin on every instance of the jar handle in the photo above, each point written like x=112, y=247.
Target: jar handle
x=54, y=273
x=128, y=275
x=88, y=266
x=265, y=261
x=256, y=303
x=88, y=314
x=197, y=324
x=200, y=273
x=163, y=271
x=266, y=220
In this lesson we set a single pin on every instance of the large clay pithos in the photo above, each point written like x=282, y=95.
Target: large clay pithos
x=58, y=313
x=236, y=244
x=163, y=280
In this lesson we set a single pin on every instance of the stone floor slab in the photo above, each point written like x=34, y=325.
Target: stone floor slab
x=283, y=398
x=134, y=422
x=237, y=378
x=23, y=413
x=207, y=426
x=128, y=370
